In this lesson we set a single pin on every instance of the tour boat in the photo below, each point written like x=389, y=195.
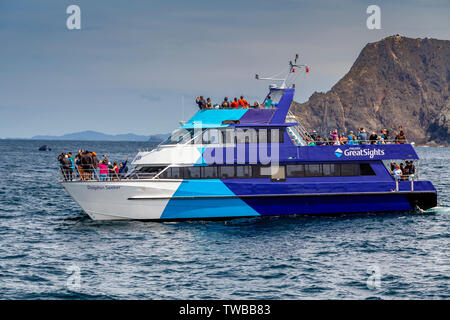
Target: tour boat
x=252, y=162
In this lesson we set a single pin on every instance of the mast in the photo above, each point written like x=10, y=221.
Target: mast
x=288, y=76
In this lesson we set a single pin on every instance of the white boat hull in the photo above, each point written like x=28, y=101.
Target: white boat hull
x=110, y=200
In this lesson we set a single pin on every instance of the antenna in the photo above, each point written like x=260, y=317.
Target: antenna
x=285, y=76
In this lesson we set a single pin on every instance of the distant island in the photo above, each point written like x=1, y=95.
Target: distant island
x=99, y=136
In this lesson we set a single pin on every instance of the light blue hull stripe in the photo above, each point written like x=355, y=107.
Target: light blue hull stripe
x=205, y=208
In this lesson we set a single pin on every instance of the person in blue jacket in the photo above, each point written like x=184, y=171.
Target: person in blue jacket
x=123, y=169
x=72, y=165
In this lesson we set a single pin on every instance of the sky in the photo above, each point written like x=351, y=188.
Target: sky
x=137, y=66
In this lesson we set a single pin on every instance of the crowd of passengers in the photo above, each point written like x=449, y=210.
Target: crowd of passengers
x=403, y=171
x=233, y=104
x=85, y=165
x=363, y=137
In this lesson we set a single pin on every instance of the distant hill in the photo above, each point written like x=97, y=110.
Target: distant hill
x=394, y=82
x=99, y=136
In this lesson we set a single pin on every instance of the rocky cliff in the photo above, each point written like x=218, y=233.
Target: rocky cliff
x=397, y=81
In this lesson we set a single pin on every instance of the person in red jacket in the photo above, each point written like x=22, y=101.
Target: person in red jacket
x=235, y=104
x=243, y=103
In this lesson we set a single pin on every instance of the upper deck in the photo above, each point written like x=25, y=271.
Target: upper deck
x=222, y=118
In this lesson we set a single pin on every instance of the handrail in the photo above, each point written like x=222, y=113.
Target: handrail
x=77, y=173
x=404, y=177
x=359, y=142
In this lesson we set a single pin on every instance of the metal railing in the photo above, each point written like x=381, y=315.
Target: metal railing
x=404, y=177
x=358, y=142
x=80, y=174
x=298, y=133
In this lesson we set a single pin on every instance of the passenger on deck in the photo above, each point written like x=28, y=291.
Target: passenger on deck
x=334, y=137
x=319, y=141
x=95, y=163
x=110, y=171
x=225, y=103
x=123, y=169
x=78, y=167
x=373, y=138
x=393, y=166
x=401, y=138
x=243, y=103
x=235, y=104
x=411, y=169
x=256, y=105
x=87, y=164
x=362, y=136
x=397, y=172
x=396, y=136
x=65, y=166
x=208, y=104
x=353, y=137
x=115, y=171
x=103, y=170
x=350, y=140
x=200, y=102
x=268, y=103
x=386, y=135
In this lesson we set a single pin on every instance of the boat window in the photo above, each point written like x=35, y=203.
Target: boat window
x=331, y=169
x=313, y=170
x=179, y=136
x=366, y=170
x=278, y=173
x=261, y=171
x=349, y=169
x=227, y=172
x=175, y=173
x=295, y=170
x=165, y=174
x=209, y=172
x=243, y=172
x=191, y=173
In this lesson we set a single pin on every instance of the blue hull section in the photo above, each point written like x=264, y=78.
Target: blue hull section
x=205, y=199
x=329, y=204
x=213, y=198
x=224, y=207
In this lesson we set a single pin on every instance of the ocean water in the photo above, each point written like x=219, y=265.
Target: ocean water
x=49, y=249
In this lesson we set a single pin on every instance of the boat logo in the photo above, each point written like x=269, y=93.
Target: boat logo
x=338, y=152
x=359, y=152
